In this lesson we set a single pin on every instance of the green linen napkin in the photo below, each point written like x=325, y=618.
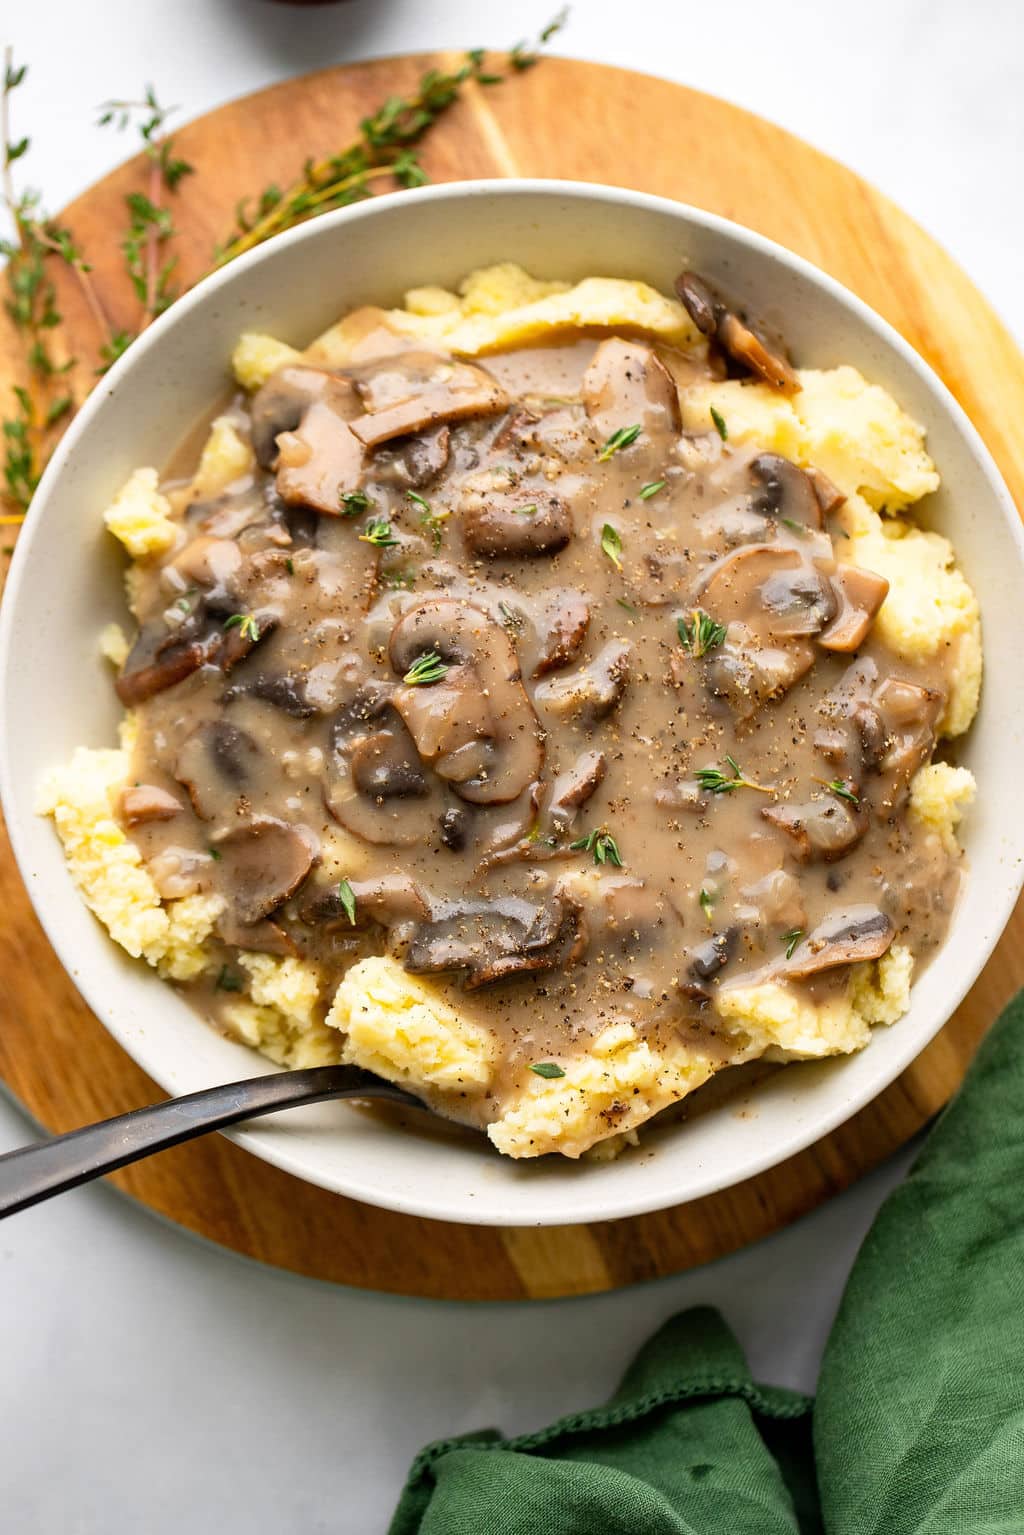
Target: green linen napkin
x=919, y=1420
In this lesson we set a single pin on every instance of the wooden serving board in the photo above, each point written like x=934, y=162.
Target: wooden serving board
x=591, y=123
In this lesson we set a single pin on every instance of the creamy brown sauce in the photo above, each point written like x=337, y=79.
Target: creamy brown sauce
x=561, y=704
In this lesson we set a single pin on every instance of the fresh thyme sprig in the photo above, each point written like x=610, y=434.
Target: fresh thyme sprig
x=792, y=940
x=841, y=790
x=247, y=625
x=719, y=424
x=601, y=844
x=700, y=634
x=383, y=149
x=379, y=533
x=431, y=520
x=425, y=669
x=623, y=438
x=716, y=782
x=151, y=225
x=352, y=501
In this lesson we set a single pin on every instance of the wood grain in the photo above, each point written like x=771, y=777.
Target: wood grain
x=589, y=123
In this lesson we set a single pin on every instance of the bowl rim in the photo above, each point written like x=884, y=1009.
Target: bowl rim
x=591, y=1204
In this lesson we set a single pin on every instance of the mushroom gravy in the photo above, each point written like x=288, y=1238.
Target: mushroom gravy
x=494, y=668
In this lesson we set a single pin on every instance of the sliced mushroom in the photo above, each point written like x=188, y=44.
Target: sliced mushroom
x=322, y=459
x=237, y=640
x=822, y=830
x=492, y=940
x=283, y=690
x=386, y=898
x=161, y=657
x=454, y=828
x=860, y=594
x=747, y=674
x=773, y=590
x=712, y=316
x=574, y=787
x=844, y=938
x=591, y=693
x=626, y=385
x=775, y=899
x=411, y=463
x=909, y=716
x=681, y=794
x=215, y=763
x=504, y=754
x=709, y=958
x=515, y=428
x=830, y=499
x=747, y=348
x=417, y=390
x=521, y=526
x=561, y=631
x=786, y=491
x=280, y=405
x=264, y=937
x=146, y=802
x=263, y=863
x=207, y=561
x=376, y=787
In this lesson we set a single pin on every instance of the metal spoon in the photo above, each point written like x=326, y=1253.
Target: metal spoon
x=37, y=1172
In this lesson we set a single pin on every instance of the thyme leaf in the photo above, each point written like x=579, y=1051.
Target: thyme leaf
x=611, y=545
x=701, y=634
x=623, y=438
x=792, y=940
x=651, y=489
x=716, y=782
x=348, y=900
x=548, y=1069
x=425, y=669
x=378, y=532
x=247, y=625
x=601, y=845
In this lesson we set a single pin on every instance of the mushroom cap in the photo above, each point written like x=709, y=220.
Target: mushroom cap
x=417, y=390
x=771, y=589
x=627, y=384
x=843, y=938
x=144, y=802
x=859, y=594
x=520, y=526
x=263, y=862
x=561, y=629
x=786, y=491
x=488, y=768
x=592, y=691
x=377, y=787
x=822, y=830
x=280, y=405
x=215, y=763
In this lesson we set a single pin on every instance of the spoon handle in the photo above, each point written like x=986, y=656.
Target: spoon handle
x=33, y=1173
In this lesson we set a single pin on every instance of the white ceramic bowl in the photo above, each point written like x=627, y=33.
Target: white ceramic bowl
x=55, y=692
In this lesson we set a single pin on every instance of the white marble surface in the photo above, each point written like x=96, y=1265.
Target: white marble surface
x=151, y=1382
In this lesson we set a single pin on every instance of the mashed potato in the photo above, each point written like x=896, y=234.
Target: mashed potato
x=401, y=1026
x=620, y=1084
x=141, y=517
x=783, y=1023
